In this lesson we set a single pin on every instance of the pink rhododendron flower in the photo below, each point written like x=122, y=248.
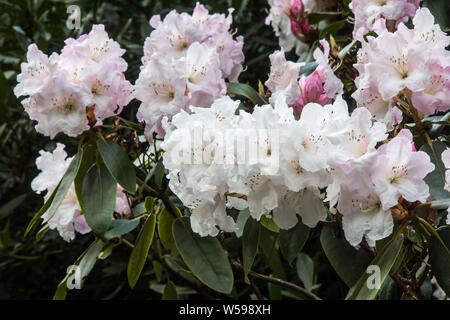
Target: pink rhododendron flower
x=283, y=77
x=88, y=73
x=398, y=171
x=414, y=61
x=332, y=85
x=369, y=12
x=186, y=61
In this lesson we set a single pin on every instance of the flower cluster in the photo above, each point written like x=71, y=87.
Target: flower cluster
x=409, y=65
x=68, y=218
x=79, y=88
x=277, y=166
x=320, y=87
x=369, y=12
x=186, y=61
x=288, y=22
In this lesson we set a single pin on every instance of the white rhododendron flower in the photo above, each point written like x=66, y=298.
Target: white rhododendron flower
x=369, y=12
x=400, y=171
x=187, y=59
x=281, y=165
x=86, y=77
x=412, y=61
x=68, y=218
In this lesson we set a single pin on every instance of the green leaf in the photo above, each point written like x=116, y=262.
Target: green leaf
x=267, y=244
x=440, y=258
x=120, y=227
x=204, y=256
x=118, y=164
x=250, y=242
x=64, y=185
x=305, y=270
x=293, y=240
x=348, y=262
x=40, y=234
x=308, y=68
x=346, y=49
x=88, y=158
x=159, y=173
x=140, y=251
x=441, y=204
x=241, y=221
x=269, y=224
x=170, y=292
x=242, y=89
x=99, y=198
x=332, y=28
x=388, y=290
x=149, y=204
x=85, y=263
x=316, y=17
x=165, y=224
x=385, y=260
x=436, y=179
x=58, y=195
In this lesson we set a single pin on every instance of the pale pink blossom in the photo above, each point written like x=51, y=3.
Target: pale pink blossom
x=398, y=171
x=87, y=75
x=332, y=85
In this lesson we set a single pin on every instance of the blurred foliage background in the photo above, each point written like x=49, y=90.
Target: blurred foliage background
x=31, y=269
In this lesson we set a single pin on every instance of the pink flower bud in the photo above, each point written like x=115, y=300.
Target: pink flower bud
x=297, y=9
x=311, y=89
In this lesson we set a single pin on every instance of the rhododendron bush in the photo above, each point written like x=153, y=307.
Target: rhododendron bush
x=206, y=179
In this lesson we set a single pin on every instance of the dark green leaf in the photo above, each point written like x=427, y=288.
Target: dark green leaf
x=120, y=227
x=441, y=204
x=204, y=256
x=242, y=89
x=293, y=240
x=308, y=68
x=170, y=292
x=316, y=17
x=99, y=198
x=348, y=262
x=140, y=251
x=269, y=224
x=346, y=49
x=305, y=270
x=385, y=260
x=267, y=244
x=440, y=258
x=86, y=162
x=165, y=224
x=118, y=164
x=250, y=242
x=436, y=178
x=159, y=174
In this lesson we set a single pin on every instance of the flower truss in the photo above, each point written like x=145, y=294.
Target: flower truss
x=351, y=138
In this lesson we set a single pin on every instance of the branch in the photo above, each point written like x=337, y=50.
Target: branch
x=277, y=281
